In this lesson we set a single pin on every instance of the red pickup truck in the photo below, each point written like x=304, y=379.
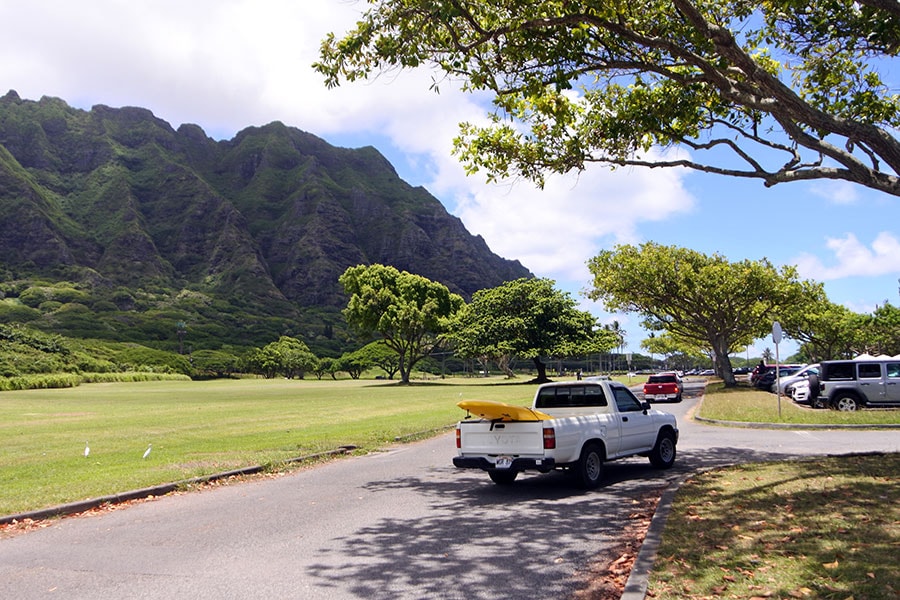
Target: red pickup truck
x=663, y=386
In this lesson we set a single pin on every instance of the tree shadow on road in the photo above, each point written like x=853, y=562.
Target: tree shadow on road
x=532, y=539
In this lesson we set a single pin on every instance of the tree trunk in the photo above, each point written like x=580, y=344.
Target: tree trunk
x=503, y=362
x=723, y=363
x=408, y=362
x=541, y=370
x=404, y=370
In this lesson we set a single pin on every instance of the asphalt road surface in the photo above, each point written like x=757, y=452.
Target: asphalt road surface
x=402, y=523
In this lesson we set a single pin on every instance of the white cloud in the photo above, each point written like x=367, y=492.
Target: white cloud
x=837, y=192
x=554, y=231
x=853, y=258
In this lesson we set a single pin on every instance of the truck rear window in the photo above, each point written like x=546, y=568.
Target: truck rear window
x=661, y=379
x=571, y=396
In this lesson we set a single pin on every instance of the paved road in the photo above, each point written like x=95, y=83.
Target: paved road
x=397, y=524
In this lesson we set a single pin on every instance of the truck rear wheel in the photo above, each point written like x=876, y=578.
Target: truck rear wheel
x=663, y=454
x=589, y=469
x=503, y=477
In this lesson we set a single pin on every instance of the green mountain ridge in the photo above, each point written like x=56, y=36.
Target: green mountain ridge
x=240, y=239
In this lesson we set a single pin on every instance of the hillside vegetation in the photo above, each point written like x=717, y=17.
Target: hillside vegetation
x=115, y=226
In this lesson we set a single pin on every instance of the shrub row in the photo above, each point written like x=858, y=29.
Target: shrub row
x=131, y=376
x=66, y=380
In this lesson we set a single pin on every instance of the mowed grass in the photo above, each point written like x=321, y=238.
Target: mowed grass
x=749, y=405
x=200, y=428
x=826, y=528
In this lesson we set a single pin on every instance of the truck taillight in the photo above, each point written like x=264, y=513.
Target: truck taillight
x=458, y=440
x=549, y=438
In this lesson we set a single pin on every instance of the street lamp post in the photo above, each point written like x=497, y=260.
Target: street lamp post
x=181, y=330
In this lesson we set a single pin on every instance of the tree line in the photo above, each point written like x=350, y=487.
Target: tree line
x=692, y=303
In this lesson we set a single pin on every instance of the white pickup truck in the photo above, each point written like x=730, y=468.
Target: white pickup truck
x=575, y=426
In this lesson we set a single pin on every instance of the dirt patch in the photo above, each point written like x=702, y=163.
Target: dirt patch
x=606, y=576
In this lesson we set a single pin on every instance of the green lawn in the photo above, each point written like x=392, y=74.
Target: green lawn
x=199, y=428
x=823, y=528
x=826, y=528
x=746, y=404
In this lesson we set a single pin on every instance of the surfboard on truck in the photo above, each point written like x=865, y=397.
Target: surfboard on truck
x=500, y=411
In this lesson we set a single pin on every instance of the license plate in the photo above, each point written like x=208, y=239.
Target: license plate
x=503, y=462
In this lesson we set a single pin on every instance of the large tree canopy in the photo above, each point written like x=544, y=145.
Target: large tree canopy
x=699, y=299
x=408, y=311
x=528, y=318
x=288, y=356
x=826, y=331
x=779, y=90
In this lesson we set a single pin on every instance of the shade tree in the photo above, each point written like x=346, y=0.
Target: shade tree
x=699, y=299
x=776, y=91
x=288, y=357
x=528, y=318
x=407, y=311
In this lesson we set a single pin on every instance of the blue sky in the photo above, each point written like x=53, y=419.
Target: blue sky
x=230, y=64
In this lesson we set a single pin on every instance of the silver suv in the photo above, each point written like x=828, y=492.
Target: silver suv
x=865, y=381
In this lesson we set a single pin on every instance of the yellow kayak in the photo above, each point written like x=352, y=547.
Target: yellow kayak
x=500, y=411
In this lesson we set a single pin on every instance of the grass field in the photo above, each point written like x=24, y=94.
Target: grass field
x=826, y=528
x=199, y=428
x=746, y=404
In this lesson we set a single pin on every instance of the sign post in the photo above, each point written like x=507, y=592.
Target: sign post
x=776, y=337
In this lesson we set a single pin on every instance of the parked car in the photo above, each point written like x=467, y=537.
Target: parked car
x=798, y=391
x=760, y=370
x=865, y=381
x=741, y=370
x=805, y=391
x=664, y=386
x=765, y=381
x=785, y=378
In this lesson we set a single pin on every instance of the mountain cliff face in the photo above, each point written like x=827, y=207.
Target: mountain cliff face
x=270, y=218
x=152, y=226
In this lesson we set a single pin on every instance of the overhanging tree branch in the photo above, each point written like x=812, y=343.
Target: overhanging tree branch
x=655, y=73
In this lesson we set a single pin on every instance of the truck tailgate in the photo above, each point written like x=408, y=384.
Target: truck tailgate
x=508, y=438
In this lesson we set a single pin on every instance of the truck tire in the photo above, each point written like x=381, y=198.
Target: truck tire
x=589, y=468
x=503, y=477
x=845, y=401
x=663, y=454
